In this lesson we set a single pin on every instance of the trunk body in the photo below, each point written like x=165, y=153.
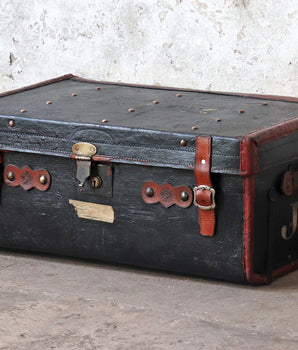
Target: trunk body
x=136, y=202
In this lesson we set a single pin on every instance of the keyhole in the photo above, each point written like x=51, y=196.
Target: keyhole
x=96, y=182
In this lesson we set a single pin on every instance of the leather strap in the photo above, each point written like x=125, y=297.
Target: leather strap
x=290, y=182
x=204, y=194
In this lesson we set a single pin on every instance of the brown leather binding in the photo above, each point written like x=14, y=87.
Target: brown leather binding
x=239, y=94
x=204, y=192
x=34, y=86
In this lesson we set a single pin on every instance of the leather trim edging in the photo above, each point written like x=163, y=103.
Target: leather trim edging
x=248, y=230
x=34, y=86
x=238, y=94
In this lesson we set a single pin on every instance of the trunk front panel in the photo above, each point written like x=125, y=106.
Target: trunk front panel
x=147, y=235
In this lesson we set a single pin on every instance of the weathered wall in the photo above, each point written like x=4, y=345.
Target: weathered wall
x=232, y=45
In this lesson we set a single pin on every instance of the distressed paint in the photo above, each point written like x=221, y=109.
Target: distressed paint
x=227, y=45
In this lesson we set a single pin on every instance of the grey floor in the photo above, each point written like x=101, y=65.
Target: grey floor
x=51, y=303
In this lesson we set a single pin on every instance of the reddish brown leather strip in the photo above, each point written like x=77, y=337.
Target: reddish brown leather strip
x=248, y=239
x=274, y=132
x=27, y=178
x=249, y=157
x=249, y=166
x=239, y=94
x=34, y=86
x=204, y=193
x=285, y=269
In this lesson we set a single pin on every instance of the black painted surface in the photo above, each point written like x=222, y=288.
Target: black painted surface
x=145, y=146
x=142, y=234
x=272, y=211
x=280, y=152
x=172, y=114
x=150, y=135
x=282, y=251
x=132, y=146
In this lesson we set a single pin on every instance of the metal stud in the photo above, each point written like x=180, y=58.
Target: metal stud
x=11, y=176
x=131, y=110
x=43, y=179
x=149, y=192
x=184, y=196
x=11, y=123
x=183, y=143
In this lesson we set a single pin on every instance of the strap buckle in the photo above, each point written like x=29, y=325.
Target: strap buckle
x=205, y=188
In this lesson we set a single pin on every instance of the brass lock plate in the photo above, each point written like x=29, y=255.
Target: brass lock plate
x=100, y=181
x=83, y=154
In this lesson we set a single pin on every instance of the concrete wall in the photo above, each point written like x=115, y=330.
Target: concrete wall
x=231, y=45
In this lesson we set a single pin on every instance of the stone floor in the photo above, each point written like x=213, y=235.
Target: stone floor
x=53, y=303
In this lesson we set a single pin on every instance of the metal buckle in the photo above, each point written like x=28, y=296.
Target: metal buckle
x=204, y=207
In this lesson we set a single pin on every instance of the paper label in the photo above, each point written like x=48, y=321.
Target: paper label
x=92, y=211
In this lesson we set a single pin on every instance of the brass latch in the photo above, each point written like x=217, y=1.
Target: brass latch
x=83, y=154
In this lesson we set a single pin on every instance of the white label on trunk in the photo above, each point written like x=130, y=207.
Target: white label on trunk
x=92, y=211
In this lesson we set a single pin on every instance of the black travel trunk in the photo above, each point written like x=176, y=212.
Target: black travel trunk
x=179, y=180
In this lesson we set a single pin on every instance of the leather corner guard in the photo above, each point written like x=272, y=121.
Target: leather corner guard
x=204, y=194
x=27, y=178
x=249, y=163
x=249, y=166
x=167, y=195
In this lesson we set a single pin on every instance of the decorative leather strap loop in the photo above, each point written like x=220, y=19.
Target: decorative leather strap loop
x=204, y=193
x=27, y=178
x=167, y=195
